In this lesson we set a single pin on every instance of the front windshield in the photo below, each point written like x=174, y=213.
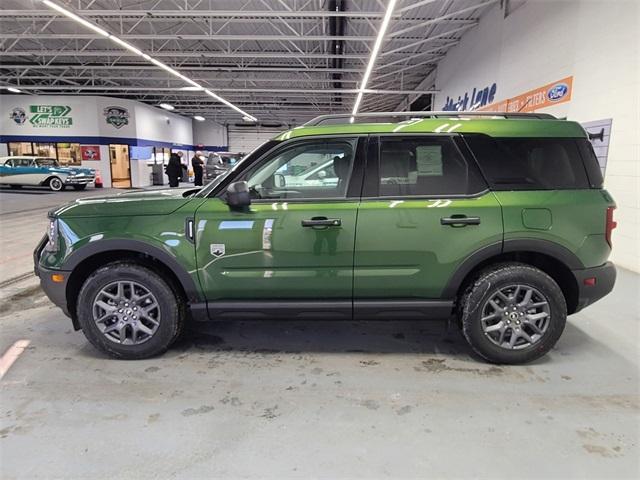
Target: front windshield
x=46, y=162
x=204, y=192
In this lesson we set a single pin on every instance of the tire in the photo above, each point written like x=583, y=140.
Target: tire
x=498, y=331
x=56, y=185
x=169, y=313
x=80, y=187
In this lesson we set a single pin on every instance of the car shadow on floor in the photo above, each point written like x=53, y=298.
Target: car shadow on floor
x=299, y=336
x=377, y=337
x=27, y=190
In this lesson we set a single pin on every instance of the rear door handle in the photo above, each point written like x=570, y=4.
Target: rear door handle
x=459, y=220
x=322, y=222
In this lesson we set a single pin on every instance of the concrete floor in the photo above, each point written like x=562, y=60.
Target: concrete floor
x=318, y=399
x=308, y=399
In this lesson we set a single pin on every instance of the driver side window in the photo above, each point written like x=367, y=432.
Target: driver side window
x=305, y=170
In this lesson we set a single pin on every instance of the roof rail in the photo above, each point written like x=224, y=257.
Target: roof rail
x=389, y=116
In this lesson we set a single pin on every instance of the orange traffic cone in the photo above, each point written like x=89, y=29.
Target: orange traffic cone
x=98, y=179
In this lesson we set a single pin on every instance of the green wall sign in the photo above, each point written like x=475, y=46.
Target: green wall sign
x=50, y=116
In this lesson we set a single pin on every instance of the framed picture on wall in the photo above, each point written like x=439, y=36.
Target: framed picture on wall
x=90, y=152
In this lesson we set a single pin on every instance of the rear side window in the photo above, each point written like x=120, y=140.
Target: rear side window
x=529, y=163
x=424, y=166
x=591, y=164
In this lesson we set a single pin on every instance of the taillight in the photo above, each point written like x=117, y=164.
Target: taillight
x=610, y=225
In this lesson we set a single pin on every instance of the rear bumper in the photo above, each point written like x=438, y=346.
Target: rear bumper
x=604, y=279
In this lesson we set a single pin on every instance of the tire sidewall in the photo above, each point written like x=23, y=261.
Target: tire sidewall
x=168, y=305
x=486, y=286
x=52, y=181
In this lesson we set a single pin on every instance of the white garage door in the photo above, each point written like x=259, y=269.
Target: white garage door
x=245, y=140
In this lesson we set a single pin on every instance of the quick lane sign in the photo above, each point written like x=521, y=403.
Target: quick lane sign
x=50, y=116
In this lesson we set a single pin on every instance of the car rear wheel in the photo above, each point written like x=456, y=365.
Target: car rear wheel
x=513, y=313
x=55, y=184
x=128, y=311
x=80, y=187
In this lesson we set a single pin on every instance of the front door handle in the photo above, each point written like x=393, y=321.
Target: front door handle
x=459, y=221
x=322, y=222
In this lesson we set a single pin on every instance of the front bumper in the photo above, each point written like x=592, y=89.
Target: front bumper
x=594, y=283
x=56, y=291
x=80, y=180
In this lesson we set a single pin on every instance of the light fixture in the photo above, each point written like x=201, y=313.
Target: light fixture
x=249, y=118
x=199, y=118
x=75, y=17
x=191, y=89
x=166, y=106
x=193, y=85
x=372, y=59
x=14, y=89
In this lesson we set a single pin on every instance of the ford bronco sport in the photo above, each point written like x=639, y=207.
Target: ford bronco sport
x=497, y=220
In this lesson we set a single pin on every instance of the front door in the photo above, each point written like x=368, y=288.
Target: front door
x=295, y=243
x=424, y=210
x=120, y=166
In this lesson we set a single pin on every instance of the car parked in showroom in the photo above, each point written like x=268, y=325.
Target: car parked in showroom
x=498, y=221
x=218, y=163
x=18, y=171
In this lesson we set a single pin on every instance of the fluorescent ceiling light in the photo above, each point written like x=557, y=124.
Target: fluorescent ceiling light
x=166, y=106
x=199, y=118
x=75, y=17
x=374, y=55
x=14, y=89
x=248, y=118
x=191, y=89
x=193, y=85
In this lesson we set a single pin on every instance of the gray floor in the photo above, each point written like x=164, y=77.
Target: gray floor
x=331, y=400
x=308, y=399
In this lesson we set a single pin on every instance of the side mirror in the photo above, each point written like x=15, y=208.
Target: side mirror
x=279, y=180
x=238, y=196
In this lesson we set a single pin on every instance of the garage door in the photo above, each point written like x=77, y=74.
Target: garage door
x=245, y=139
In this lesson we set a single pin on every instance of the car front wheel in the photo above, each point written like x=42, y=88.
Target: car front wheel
x=513, y=313
x=80, y=187
x=56, y=185
x=128, y=311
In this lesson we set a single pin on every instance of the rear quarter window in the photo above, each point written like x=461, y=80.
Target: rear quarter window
x=529, y=163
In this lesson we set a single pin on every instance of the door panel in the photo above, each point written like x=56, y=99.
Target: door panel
x=404, y=251
x=268, y=254
x=296, y=240
x=425, y=209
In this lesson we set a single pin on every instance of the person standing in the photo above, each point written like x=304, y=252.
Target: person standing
x=174, y=170
x=198, y=169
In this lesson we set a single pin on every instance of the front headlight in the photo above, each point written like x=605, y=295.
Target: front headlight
x=52, y=235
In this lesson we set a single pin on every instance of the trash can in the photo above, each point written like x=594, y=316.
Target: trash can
x=157, y=174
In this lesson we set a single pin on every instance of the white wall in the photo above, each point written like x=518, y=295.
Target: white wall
x=595, y=41
x=209, y=134
x=89, y=120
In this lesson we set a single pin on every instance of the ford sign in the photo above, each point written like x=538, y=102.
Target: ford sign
x=558, y=91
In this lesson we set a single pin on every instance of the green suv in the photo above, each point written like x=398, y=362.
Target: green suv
x=498, y=221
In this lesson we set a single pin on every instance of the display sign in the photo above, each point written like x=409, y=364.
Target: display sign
x=479, y=98
x=116, y=116
x=541, y=97
x=90, y=152
x=599, y=132
x=50, y=116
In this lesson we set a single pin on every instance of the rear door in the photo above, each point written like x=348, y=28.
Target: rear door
x=295, y=242
x=425, y=209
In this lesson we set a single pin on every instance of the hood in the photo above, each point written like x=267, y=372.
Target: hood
x=132, y=203
x=73, y=170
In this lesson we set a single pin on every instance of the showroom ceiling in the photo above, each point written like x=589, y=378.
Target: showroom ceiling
x=279, y=60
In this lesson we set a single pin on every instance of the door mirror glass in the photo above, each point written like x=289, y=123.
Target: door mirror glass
x=238, y=196
x=279, y=180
